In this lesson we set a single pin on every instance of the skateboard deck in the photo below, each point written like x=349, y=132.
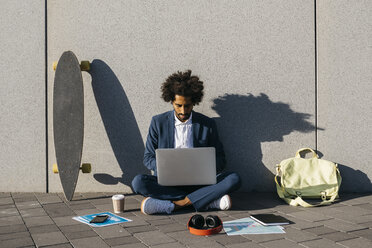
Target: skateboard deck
x=68, y=120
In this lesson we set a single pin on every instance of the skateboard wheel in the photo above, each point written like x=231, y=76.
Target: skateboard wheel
x=86, y=168
x=55, y=65
x=85, y=65
x=55, y=168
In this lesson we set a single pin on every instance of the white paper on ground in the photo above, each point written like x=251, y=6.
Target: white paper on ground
x=249, y=226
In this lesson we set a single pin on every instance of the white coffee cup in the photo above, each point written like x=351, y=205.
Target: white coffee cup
x=118, y=203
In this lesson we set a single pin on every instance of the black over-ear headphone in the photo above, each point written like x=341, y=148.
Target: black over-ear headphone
x=199, y=226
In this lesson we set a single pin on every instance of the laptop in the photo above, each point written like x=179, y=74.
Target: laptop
x=186, y=166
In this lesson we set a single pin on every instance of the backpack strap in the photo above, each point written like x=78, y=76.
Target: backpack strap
x=306, y=149
x=299, y=201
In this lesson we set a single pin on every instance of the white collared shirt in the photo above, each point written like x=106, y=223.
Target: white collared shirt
x=183, y=133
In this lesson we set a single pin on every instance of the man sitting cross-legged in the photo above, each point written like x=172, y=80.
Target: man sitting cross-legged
x=183, y=128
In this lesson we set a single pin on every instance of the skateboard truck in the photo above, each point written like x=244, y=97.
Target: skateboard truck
x=84, y=65
x=85, y=168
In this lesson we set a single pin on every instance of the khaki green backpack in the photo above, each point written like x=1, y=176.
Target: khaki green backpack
x=307, y=178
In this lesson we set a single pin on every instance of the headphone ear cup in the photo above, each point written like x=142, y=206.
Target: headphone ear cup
x=197, y=221
x=212, y=221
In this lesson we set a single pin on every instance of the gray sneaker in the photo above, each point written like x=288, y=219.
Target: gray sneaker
x=154, y=206
x=223, y=203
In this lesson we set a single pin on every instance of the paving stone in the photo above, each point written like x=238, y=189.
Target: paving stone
x=358, y=199
x=16, y=235
x=65, y=221
x=58, y=210
x=138, y=197
x=357, y=243
x=225, y=239
x=185, y=237
x=11, y=220
x=153, y=238
x=7, y=206
x=105, y=207
x=350, y=217
x=175, y=227
x=342, y=225
x=93, y=195
x=4, y=194
x=82, y=206
x=339, y=236
x=6, y=201
x=357, y=219
x=75, y=228
x=44, y=239
x=135, y=245
x=320, y=230
x=136, y=221
x=28, y=204
x=38, y=221
x=287, y=209
x=299, y=236
x=151, y=217
x=282, y=243
x=366, y=233
x=131, y=200
x=32, y=212
x=8, y=212
x=65, y=245
x=264, y=238
x=43, y=229
x=309, y=216
x=122, y=241
x=87, y=211
x=25, y=199
x=95, y=242
x=132, y=206
x=301, y=224
x=21, y=242
x=139, y=229
x=367, y=206
x=245, y=245
x=80, y=235
x=47, y=199
x=173, y=245
x=354, y=210
x=161, y=222
x=13, y=228
x=112, y=231
x=321, y=243
x=366, y=224
x=101, y=201
x=17, y=195
x=206, y=244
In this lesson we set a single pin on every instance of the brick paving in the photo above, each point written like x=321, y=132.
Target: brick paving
x=45, y=220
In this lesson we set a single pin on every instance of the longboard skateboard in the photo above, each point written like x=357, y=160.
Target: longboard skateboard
x=68, y=120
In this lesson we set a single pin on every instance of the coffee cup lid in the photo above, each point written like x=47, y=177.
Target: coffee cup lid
x=118, y=197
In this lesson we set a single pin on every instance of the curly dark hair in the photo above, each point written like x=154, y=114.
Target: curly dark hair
x=183, y=84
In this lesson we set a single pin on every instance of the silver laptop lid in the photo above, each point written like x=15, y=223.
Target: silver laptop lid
x=186, y=166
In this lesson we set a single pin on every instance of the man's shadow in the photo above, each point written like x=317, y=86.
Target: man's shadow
x=120, y=124
x=245, y=122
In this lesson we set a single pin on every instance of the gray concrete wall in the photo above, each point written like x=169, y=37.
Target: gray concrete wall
x=22, y=96
x=345, y=88
x=256, y=58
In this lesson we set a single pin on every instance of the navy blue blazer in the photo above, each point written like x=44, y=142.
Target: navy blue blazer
x=161, y=135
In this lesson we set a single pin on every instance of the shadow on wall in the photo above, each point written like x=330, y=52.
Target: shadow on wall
x=245, y=121
x=354, y=180
x=120, y=124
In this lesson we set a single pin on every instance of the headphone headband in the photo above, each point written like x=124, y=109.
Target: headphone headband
x=204, y=231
